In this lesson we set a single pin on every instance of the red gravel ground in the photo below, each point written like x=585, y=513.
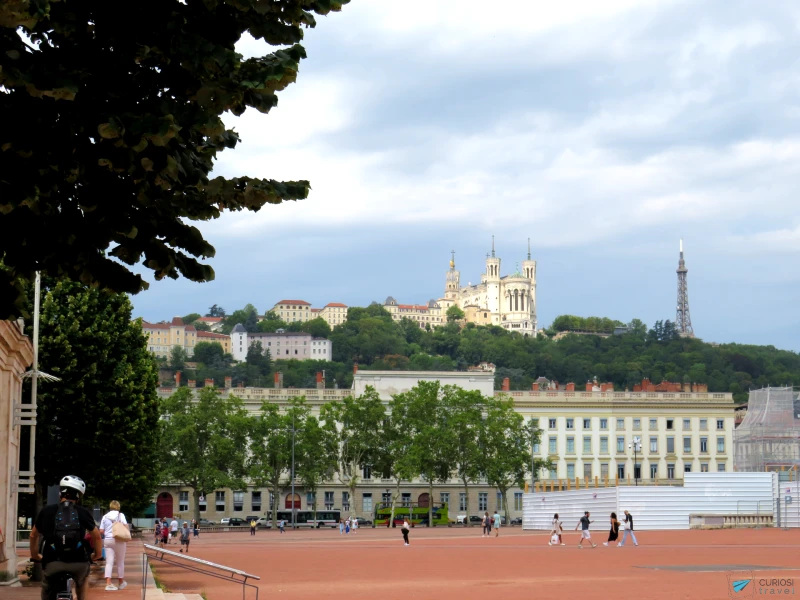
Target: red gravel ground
x=444, y=563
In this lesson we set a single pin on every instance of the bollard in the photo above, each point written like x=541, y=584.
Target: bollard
x=595, y=481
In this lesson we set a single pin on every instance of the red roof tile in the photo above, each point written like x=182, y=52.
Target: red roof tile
x=208, y=334
x=177, y=321
x=413, y=306
x=210, y=319
x=336, y=304
x=146, y=325
x=293, y=302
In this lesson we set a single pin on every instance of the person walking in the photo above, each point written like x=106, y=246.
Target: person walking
x=341, y=526
x=484, y=523
x=613, y=535
x=185, y=537
x=627, y=530
x=585, y=534
x=282, y=525
x=115, y=545
x=355, y=524
x=405, y=529
x=157, y=531
x=173, y=527
x=347, y=526
x=557, y=530
x=496, y=521
x=195, y=528
x=164, y=532
x=253, y=527
x=488, y=524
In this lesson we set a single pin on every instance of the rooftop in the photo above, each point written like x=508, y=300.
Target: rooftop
x=335, y=304
x=293, y=302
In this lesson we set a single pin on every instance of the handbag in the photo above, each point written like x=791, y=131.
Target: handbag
x=119, y=531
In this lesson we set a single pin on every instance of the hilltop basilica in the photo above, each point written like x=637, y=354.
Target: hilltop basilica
x=508, y=301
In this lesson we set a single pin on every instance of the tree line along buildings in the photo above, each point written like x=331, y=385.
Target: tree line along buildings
x=587, y=434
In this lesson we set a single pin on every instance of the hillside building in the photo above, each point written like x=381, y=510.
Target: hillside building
x=162, y=337
x=282, y=345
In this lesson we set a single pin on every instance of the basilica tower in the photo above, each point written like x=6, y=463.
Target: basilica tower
x=529, y=271
x=452, y=281
x=492, y=278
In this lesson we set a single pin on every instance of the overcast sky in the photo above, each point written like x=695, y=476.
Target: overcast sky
x=604, y=131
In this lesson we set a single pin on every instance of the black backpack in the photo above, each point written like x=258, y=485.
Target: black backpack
x=68, y=538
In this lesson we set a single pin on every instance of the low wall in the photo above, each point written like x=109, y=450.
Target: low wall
x=656, y=508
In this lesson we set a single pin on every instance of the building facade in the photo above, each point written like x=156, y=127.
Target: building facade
x=586, y=435
x=162, y=337
x=282, y=345
x=292, y=311
x=334, y=313
x=219, y=338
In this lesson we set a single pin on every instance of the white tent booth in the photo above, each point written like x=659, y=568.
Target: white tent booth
x=705, y=499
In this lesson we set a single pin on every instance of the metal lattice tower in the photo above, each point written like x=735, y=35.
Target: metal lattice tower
x=683, y=320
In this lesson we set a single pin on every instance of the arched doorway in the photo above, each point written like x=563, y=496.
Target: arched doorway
x=423, y=500
x=288, y=504
x=164, y=505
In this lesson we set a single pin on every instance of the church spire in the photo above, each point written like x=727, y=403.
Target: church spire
x=492, y=246
x=529, y=248
x=452, y=259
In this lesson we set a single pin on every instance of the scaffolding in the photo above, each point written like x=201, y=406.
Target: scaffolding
x=768, y=439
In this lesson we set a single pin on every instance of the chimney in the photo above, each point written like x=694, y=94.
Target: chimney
x=535, y=387
x=570, y=387
x=191, y=383
x=637, y=387
x=320, y=383
x=603, y=387
x=278, y=379
x=588, y=386
x=177, y=379
x=209, y=383
x=506, y=384
x=355, y=368
x=228, y=381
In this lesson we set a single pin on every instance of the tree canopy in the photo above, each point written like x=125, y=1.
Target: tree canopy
x=106, y=161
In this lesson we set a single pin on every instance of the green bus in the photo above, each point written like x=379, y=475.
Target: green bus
x=416, y=513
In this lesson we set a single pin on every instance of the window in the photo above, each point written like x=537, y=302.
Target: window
x=687, y=424
x=329, y=500
x=483, y=501
x=653, y=444
x=620, y=423
x=571, y=471
x=687, y=468
x=272, y=500
x=309, y=498
x=517, y=501
x=499, y=501
x=703, y=444
x=603, y=423
x=570, y=423
x=703, y=424
x=587, y=470
x=587, y=423
x=603, y=445
x=551, y=423
x=386, y=498
x=255, y=501
x=720, y=424
x=552, y=445
x=653, y=471
x=202, y=504
x=704, y=467
x=366, y=502
x=720, y=444
x=183, y=501
x=670, y=445
x=238, y=501
x=653, y=423
x=620, y=471
x=721, y=467
x=537, y=448
x=220, y=501
x=687, y=445
x=587, y=445
x=444, y=498
x=367, y=472
x=637, y=424
x=570, y=445
x=620, y=444
x=670, y=471
x=603, y=471
x=462, y=501
x=670, y=424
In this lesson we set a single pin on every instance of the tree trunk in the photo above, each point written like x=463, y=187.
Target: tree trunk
x=395, y=496
x=504, y=491
x=430, y=503
x=466, y=498
x=276, y=500
x=196, y=496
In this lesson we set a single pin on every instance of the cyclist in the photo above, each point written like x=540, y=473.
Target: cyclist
x=63, y=527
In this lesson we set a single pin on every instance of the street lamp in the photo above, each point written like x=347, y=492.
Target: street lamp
x=636, y=444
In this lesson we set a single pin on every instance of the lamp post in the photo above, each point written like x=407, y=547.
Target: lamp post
x=636, y=444
x=533, y=459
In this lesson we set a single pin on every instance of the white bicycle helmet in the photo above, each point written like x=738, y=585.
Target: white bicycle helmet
x=72, y=483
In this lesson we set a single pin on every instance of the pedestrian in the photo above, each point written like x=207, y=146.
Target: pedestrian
x=355, y=524
x=253, y=527
x=485, y=524
x=157, y=531
x=164, y=532
x=584, y=525
x=613, y=535
x=496, y=520
x=405, y=529
x=341, y=526
x=488, y=524
x=185, y=537
x=556, y=532
x=347, y=526
x=114, y=545
x=627, y=530
x=195, y=527
x=173, y=527
x=282, y=525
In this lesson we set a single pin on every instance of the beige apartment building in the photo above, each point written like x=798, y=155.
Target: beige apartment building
x=586, y=434
x=291, y=311
x=334, y=313
x=162, y=337
x=218, y=338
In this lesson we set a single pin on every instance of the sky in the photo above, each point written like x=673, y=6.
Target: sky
x=603, y=131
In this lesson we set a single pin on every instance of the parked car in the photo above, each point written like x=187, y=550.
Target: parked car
x=251, y=518
x=206, y=523
x=225, y=521
x=264, y=522
x=516, y=521
x=237, y=522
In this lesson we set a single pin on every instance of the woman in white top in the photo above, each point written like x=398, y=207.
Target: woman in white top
x=556, y=530
x=115, y=549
